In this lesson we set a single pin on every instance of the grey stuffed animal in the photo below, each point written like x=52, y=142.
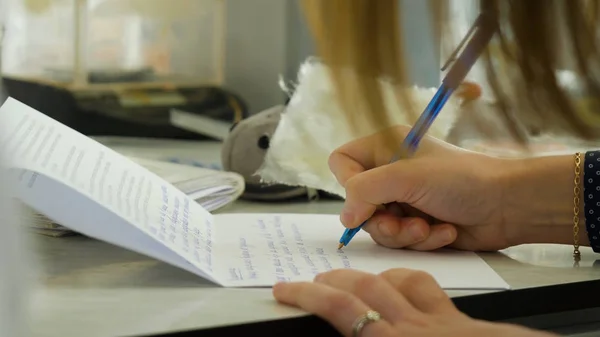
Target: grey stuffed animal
x=244, y=150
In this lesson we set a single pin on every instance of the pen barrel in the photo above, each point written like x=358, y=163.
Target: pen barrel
x=403, y=153
x=479, y=41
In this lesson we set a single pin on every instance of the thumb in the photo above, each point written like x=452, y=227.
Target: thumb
x=401, y=182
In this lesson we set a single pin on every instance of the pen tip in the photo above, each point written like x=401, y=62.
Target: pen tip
x=340, y=246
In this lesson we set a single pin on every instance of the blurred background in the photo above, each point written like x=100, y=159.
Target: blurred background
x=117, y=67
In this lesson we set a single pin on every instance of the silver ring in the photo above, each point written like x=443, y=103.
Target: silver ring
x=370, y=317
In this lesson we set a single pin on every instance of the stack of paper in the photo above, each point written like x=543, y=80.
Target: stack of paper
x=204, y=153
x=210, y=188
x=40, y=224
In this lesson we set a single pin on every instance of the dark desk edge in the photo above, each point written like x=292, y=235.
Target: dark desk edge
x=496, y=306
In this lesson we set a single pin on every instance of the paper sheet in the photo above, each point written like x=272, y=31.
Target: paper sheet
x=85, y=186
x=261, y=249
x=210, y=188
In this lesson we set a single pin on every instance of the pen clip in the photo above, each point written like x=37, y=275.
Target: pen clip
x=463, y=42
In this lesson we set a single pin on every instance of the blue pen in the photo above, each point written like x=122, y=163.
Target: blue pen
x=481, y=32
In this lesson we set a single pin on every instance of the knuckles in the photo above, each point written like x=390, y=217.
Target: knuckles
x=366, y=284
x=419, y=277
x=416, y=282
x=411, y=279
x=332, y=159
x=336, y=302
x=353, y=186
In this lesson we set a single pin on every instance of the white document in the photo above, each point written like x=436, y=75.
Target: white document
x=93, y=190
x=210, y=188
x=262, y=249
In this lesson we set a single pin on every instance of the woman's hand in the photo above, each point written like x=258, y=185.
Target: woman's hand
x=447, y=196
x=411, y=304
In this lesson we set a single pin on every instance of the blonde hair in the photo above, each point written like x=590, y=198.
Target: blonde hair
x=360, y=41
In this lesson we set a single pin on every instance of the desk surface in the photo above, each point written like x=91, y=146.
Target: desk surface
x=89, y=288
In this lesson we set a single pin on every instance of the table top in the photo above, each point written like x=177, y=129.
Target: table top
x=91, y=288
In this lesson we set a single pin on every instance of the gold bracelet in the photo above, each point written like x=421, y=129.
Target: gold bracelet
x=576, y=203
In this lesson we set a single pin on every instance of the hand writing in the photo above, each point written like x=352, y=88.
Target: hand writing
x=443, y=195
x=411, y=304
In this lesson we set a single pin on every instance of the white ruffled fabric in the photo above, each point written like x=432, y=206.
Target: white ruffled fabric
x=313, y=126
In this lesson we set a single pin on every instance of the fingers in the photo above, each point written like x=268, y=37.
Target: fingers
x=344, y=167
x=390, y=231
x=420, y=289
x=373, y=150
x=340, y=308
x=362, y=154
x=397, y=182
x=410, y=233
x=440, y=236
x=371, y=289
x=401, y=182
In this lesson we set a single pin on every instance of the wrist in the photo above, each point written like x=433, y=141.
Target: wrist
x=538, y=200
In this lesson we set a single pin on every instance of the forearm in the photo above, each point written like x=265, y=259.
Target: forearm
x=539, y=200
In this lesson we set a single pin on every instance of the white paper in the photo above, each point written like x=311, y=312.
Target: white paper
x=212, y=189
x=262, y=249
x=89, y=188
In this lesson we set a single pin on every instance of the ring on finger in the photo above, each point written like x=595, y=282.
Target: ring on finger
x=370, y=317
